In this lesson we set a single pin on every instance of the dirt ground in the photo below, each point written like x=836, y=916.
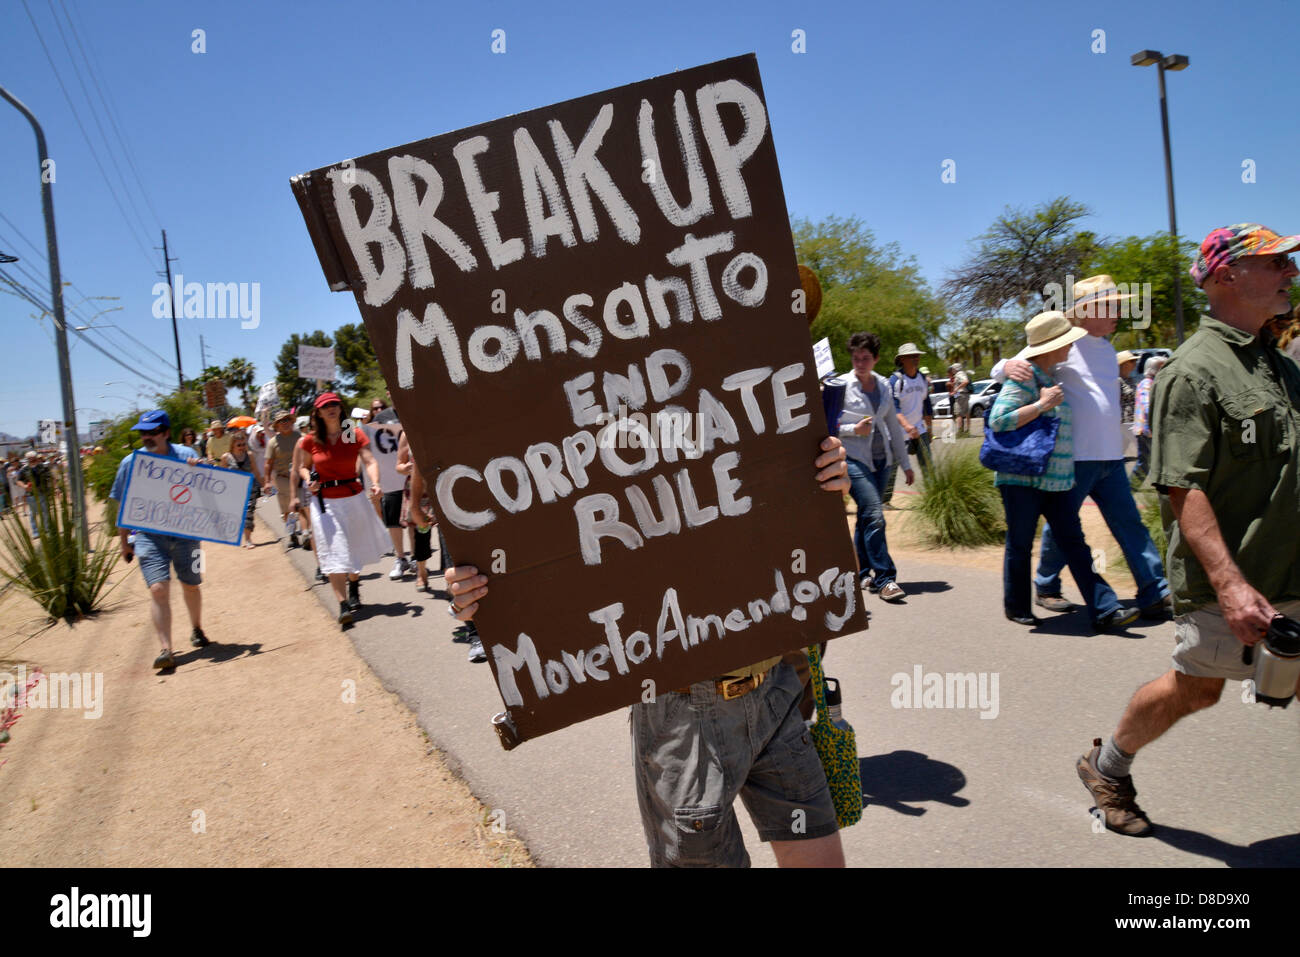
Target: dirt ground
x=273, y=746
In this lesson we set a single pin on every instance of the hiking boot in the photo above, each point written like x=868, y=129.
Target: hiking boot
x=164, y=661
x=197, y=638
x=1055, y=603
x=354, y=595
x=1163, y=610
x=1116, y=620
x=1116, y=798
x=892, y=592
x=345, y=614
x=476, y=653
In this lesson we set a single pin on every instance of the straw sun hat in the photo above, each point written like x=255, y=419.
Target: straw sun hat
x=1048, y=331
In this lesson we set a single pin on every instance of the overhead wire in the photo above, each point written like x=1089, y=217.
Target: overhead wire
x=94, y=115
x=89, y=145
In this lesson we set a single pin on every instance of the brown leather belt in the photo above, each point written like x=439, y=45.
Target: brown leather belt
x=730, y=687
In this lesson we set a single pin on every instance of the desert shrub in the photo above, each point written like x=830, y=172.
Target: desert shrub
x=56, y=570
x=959, y=505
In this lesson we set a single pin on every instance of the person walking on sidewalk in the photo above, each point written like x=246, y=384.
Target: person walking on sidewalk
x=240, y=458
x=911, y=392
x=1225, y=458
x=346, y=533
x=1090, y=379
x=1026, y=498
x=873, y=441
x=1142, y=421
x=159, y=553
x=279, y=469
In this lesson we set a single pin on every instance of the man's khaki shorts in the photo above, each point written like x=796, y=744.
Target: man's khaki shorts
x=1207, y=648
x=283, y=493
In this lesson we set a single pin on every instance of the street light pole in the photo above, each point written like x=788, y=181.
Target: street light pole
x=1175, y=61
x=77, y=487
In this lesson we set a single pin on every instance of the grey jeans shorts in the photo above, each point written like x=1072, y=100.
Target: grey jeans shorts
x=696, y=752
x=1207, y=648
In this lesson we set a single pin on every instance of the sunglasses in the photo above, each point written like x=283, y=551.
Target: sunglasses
x=152, y=432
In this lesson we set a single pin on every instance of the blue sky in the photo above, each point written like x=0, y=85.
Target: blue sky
x=862, y=123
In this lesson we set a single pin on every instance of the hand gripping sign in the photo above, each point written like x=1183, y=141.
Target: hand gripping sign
x=166, y=496
x=592, y=326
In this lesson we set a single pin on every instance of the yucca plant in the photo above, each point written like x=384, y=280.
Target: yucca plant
x=56, y=570
x=959, y=505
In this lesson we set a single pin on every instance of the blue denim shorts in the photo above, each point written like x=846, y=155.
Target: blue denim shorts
x=696, y=752
x=157, y=553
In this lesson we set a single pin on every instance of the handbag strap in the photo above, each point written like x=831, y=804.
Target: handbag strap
x=818, y=680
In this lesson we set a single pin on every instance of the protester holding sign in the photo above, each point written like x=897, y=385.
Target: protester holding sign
x=696, y=749
x=346, y=534
x=157, y=553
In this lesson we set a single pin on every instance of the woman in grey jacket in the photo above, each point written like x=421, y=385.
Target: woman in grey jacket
x=869, y=429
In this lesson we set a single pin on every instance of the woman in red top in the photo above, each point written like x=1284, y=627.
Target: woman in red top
x=346, y=533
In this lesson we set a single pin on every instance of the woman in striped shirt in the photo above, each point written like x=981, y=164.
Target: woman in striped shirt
x=1027, y=497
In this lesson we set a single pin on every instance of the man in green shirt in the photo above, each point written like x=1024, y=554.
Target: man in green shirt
x=1225, y=427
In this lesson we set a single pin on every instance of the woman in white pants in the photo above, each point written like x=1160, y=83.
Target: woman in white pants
x=347, y=535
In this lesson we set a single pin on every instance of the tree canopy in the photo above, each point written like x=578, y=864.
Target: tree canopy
x=867, y=286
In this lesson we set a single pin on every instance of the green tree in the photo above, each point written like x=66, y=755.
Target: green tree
x=293, y=390
x=1020, y=255
x=867, y=286
x=1139, y=260
x=356, y=360
x=239, y=374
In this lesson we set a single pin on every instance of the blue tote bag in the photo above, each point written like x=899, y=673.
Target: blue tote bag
x=1022, y=451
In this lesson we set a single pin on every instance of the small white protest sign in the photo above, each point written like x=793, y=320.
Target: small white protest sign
x=822, y=353
x=316, y=362
x=168, y=497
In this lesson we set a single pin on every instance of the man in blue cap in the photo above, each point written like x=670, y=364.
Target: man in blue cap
x=157, y=553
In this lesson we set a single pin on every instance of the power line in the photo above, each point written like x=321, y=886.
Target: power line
x=90, y=146
x=110, y=110
x=45, y=307
x=94, y=114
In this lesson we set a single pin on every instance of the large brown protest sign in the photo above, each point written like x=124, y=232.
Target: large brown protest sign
x=592, y=326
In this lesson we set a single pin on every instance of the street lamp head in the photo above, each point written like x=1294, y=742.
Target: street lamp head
x=1175, y=61
x=1146, y=58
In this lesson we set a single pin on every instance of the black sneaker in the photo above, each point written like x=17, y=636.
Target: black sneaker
x=293, y=539
x=345, y=614
x=354, y=595
x=197, y=638
x=320, y=575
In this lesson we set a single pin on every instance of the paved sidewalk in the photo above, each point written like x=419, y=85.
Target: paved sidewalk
x=945, y=787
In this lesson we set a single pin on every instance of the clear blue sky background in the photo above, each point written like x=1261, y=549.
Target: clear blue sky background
x=862, y=121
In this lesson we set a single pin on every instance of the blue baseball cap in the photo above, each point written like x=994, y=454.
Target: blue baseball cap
x=157, y=419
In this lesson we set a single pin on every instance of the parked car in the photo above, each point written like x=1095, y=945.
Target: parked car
x=983, y=392
x=940, y=399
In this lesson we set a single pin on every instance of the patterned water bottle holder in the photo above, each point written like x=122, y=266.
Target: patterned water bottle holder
x=838, y=750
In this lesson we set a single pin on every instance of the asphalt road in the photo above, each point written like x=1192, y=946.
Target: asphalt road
x=944, y=786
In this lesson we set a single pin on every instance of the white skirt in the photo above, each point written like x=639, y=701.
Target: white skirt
x=348, y=535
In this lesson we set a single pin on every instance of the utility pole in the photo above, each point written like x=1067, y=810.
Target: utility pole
x=77, y=487
x=203, y=353
x=171, y=307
